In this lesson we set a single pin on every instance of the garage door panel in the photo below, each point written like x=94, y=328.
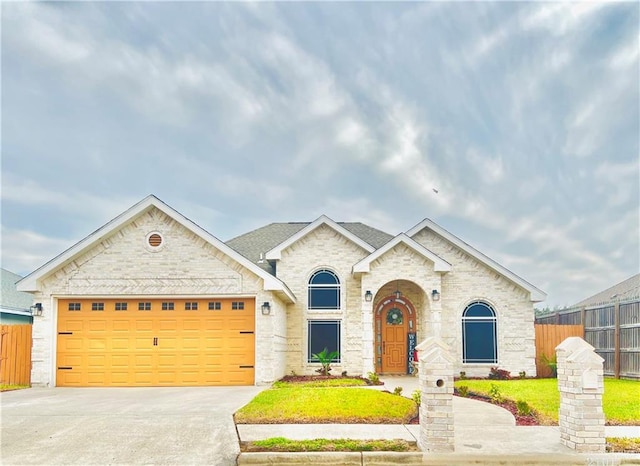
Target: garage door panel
x=130, y=347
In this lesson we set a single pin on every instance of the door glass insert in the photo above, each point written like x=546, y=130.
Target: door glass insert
x=394, y=316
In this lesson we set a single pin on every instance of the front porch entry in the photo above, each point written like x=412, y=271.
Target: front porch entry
x=395, y=335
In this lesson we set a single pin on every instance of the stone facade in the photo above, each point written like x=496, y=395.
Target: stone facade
x=187, y=266
x=118, y=262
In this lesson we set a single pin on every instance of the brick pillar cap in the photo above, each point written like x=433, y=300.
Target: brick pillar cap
x=434, y=348
x=573, y=344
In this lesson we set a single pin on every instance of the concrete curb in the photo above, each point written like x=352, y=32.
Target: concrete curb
x=453, y=459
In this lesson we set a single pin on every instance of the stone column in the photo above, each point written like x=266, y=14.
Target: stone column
x=436, y=407
x=581, y=385
x=368, y=336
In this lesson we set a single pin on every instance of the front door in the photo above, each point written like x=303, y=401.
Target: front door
x=393, y=322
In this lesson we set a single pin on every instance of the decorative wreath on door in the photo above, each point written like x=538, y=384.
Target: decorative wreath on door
x=394, y=316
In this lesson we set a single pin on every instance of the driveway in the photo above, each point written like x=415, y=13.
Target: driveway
x=161, y=426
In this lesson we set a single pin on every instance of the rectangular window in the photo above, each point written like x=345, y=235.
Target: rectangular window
x=237, y=305
x=215, y=305
x=190, y=306
x=74, y=306
x=323, y=334
x=167, y=306
x=144, y=306
x=97, y=306
x=121, y=306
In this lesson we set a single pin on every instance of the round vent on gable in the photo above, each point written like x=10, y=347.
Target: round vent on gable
x=154, y=240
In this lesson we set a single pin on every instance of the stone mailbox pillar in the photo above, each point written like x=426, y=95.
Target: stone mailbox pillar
x=436, y=386
x=581, y=385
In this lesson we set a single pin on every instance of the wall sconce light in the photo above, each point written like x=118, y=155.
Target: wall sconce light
x=368, y=296
x=397, y=292
x=36, y=309
x=435, y=295
x=266, y=308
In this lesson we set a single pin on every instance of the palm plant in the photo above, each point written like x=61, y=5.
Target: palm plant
x=325, y=358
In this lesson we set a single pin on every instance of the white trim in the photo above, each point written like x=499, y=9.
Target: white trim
x=537, y=295
x=30, y=282
x=439, y=264
x=276, y=252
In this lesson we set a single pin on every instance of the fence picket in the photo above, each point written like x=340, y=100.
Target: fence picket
x=15, y=354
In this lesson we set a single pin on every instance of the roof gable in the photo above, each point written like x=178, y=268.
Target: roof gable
x=439, y=264
x=536, y=293
x=30, y=282
x=276, y=252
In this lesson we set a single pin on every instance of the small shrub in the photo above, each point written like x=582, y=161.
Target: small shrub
x=551, y=363
x=522, y=374
x=523, y=408
x=463, y=375
x=373, y=377
x=495, y=395
x=397, y=391
x=416, y=396
x=499, y=374
x=325, y=358
x=463, y=390
x=344, y=373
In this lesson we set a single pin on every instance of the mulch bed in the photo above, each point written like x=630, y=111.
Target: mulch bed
x=315, y=378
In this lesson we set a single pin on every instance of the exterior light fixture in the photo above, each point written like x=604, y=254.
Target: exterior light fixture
x=397, y=292
x=36, y=309
x=266, y=308
x=368, y=296
x=435, y=295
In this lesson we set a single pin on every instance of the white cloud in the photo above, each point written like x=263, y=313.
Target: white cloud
x=23, y=251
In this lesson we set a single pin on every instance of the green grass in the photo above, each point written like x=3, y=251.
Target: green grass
x=8, y=387
x=623, y=445
x=283, y=444
x=338, y=382
x=299, y=403
x=620, y=399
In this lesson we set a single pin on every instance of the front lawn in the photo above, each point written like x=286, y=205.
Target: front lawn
x=300, y=403
x=620, y=399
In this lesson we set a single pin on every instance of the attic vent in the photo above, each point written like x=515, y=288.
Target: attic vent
x=154, y=240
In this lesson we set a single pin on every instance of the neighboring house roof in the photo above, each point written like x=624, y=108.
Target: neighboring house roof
x=624, y=291
x=536, y=293
x=439, y=264
x=13, y=301
x=29, y=283
x=276, y=252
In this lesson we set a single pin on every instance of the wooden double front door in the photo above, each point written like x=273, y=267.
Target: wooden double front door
x=394, y=320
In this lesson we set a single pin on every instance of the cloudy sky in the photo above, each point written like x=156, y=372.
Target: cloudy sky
x=524, y=117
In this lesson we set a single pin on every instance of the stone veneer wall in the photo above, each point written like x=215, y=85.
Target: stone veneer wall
x=122, y=264
x=323, y=248
x=470, y=280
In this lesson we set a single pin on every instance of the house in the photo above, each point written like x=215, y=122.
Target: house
x=151, y=298
x=14, y=305
x=626, y=290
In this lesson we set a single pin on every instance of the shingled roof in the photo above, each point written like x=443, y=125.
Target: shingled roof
x=624, y=291
x=254, y=243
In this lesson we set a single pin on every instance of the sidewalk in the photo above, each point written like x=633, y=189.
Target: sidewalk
x=480, y=428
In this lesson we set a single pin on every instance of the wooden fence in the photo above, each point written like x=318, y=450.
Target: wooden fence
x=613, y=329
x=15, y=354
x=548, y=336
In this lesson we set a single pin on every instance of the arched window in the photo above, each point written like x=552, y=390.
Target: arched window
x=479, y=334
x=324, y=290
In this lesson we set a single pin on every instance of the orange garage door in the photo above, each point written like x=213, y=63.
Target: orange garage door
x=166, y=342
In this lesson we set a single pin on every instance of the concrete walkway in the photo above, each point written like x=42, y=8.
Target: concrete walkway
x=480, y=428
